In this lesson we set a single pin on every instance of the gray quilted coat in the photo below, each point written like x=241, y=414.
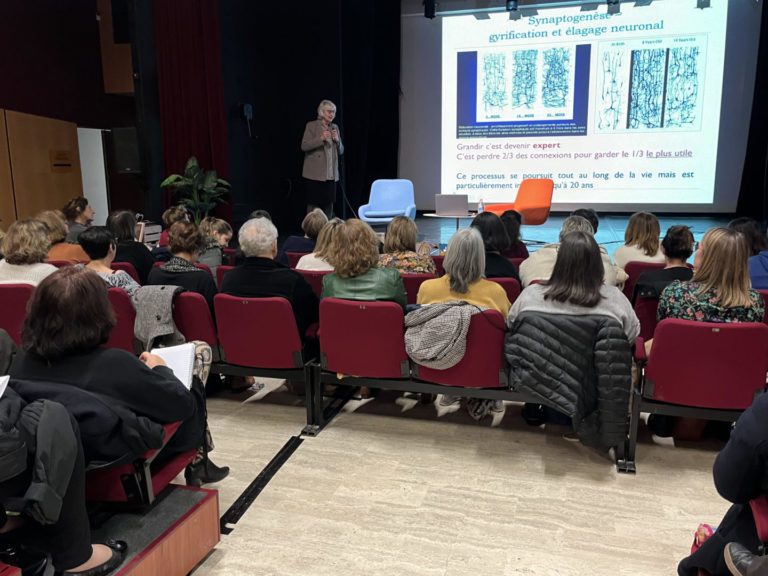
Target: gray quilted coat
x=579, y=365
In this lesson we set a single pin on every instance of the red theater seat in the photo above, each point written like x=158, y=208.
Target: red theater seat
x=128, y=268
x=13, y=310
x=122, y=334
x=315, y=279
x=633, y=270
x=294, y=257
x=511, y=287
x=412, y=282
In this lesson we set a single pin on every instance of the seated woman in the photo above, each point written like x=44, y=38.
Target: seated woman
x=122, y=224
x=217, y=234
x=311, y=226
x=68, y=320
x=356, y=275
x=79, y=216
x=512, y=221
x=185, y=242
x=170, y=217
x=400, y=249
x=25, y=248
x=750, y=229
x=641, y=241
x=677, y=247
x=100, y=246
x=496, y=242
x=326, y=241
x=57, y=233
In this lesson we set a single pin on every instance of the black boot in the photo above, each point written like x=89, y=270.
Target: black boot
x=205, y=472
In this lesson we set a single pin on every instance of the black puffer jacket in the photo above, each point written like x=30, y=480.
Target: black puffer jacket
x=579, y=365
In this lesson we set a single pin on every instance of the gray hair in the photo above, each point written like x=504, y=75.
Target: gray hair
x=464, y=259
x=257, y=237
x=576, y=224
x=323, y=105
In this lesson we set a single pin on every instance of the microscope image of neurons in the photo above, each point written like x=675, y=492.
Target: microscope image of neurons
x=682, y=87
x=556, y=77
x=646, y=94
x=494, y=83
x=611, y=109
x=524, y=73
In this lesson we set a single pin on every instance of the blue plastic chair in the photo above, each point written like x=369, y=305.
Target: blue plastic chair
x=389, y=198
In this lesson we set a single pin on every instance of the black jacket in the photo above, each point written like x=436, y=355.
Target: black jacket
x=137, y=254
x=196, y=281
x=497, y=266
x=579, y=365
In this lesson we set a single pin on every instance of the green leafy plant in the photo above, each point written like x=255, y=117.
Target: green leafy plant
x=198, y=190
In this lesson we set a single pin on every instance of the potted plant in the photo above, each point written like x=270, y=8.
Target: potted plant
x=198, y=190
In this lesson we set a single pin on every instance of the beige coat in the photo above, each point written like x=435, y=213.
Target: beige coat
x=314, y=148
x=539, y=266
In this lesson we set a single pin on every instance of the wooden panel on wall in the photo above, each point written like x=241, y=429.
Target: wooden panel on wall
x=116, y=59
x=7, y=204
x=45, y=162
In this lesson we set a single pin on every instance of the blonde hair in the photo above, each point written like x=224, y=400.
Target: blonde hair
x=723, y=267
x=26, y=242
x=212, y=225
x=327, y=239
x=357, y=249
x=174, y=214
x=313, y=223
x=643, y=231
x=56, y=223
x=322, y=106
x=401, y=235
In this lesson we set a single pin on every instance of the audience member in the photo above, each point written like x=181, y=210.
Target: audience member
x=217, y=234
x=311, y=225
x=185, y=243
x=400, y=249
x=496, y=242
x=100, y=246
x=326, y=242
x=260, y=276
x=677, y=247
x=122, y=224
x=79, y=216
x=261, y=214
x=25, y=248
x=641, y=241
x=464, y=264
x=590, y=216
x=540, y=264
x=750, y=229
x=170, y=217
x=356, y=275
x=576, y=287
x=512, y=221
x=57, y=234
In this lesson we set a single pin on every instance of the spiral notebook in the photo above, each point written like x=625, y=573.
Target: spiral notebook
x=180, y=359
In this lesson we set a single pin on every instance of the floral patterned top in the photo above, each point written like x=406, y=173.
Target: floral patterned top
x=682, y=300
x=408, y=262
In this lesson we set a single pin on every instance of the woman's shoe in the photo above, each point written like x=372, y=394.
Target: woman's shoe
x=205, y=472
x=118, y=553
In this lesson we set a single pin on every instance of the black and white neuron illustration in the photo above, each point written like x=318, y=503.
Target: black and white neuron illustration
x=556, y=73
x=495, y=92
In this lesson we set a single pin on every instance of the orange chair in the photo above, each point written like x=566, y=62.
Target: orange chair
x=533, y=201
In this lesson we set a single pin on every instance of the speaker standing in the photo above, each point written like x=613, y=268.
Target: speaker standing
x=322, y=147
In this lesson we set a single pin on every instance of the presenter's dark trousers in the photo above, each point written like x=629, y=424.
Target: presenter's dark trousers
x=321, y=194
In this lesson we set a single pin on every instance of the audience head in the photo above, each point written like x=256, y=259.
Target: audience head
x=175, y=214
x=217, y=230
x=185, y=238
x=99, y=243
x=678, y=243
x=590, y=216
x=26, y=242
x=78, y=210
x=69, y=313
x=327, y=240
x=643, y=232
x=260, y=214
x=401, y=235
x=756, y=240
x=512, y=221
x=576, y=224
x=56, y=224
x=492, y=231
x=464, y=261
x=122, y=224
x=313, y=223
x=357, y=251
x=578, y=272
x=258, y=237
x=722, y=266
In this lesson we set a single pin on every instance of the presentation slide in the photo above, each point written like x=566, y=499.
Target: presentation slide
x=615, y=108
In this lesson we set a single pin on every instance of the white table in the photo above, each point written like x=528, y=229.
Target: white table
x=457, y=217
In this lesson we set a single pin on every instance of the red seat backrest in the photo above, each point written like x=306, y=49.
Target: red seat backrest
x=258, y=332
x=220, y=271
x=645, y=310
x=363, y=338
x=633, y=270
x=438, y=260
x=13, y=310
x=707, y=365
x=483, y=364
x=205, y=267
x=516, y=261
x=122, y=334
x=228, y=256
x=511, y=287
x=315, y=279
x=128, y=268
x=764, y=294
x=294, y=257
x=192, y=317
x=412, y=283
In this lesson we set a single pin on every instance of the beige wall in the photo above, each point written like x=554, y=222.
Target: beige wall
x=116, y=59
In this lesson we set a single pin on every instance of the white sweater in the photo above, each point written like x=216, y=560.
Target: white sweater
x=626, y=254
x=24, y=273
x=312, y=262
